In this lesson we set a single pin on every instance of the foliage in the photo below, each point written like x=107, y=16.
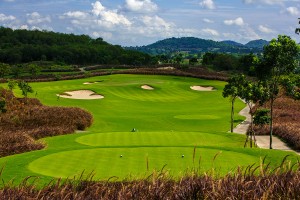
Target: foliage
x=4, y=69
x=229, y=62
x=24, y=122
x=279, y=58
x=24, y=46
x=2, y=105
x=261, y=117
x=12, y=84
x=197, y=45
x=251, y=183
x=234, y=89
x=286, y=121
x=25, y=88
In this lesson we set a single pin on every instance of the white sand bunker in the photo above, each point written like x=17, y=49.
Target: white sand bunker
x=81, y=94
x=202, y=88
x=90, y=83
x=166, y=68
x=147, y=87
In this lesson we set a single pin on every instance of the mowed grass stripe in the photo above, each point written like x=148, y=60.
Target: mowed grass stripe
x=167, y=139
x=108, y=162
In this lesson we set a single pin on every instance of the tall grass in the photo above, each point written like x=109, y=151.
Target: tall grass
x=27, y=120
x=286, y=121
x=250, y=183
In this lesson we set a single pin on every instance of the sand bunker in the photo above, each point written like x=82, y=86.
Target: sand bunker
x=147, y=87
x=202, y=88
x=89, y=83
x=166, y=68
x=81, y=94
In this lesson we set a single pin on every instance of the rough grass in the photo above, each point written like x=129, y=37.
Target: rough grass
x=250, y=183
x=286, y=121
x=27, y=120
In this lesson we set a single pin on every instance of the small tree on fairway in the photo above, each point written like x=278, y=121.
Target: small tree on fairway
x=279, y=58
x=12, y=84
x=233, y=89
x=25, y=88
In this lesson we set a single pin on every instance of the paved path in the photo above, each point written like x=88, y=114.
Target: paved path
x=261, y=141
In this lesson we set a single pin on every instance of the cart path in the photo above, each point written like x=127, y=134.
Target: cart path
x=262, y=141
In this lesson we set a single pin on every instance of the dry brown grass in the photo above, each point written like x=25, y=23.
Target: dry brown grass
x=286, y=121
x=283, y=183
x=27, y=120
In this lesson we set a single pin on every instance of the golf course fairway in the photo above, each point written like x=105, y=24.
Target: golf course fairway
x=137, y=131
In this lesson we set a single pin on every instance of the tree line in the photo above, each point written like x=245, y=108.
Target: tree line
x=275, y=74
x=23, y=46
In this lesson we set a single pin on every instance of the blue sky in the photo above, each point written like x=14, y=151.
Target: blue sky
x=142, y=22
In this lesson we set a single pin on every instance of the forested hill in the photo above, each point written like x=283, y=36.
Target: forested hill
x=196, y=45
x=22, y=46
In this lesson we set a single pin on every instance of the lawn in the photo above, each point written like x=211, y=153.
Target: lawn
x=172, y=122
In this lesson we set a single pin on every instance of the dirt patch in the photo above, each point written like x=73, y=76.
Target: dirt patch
x=202, y=88
x=81, y=94
x=147, y=87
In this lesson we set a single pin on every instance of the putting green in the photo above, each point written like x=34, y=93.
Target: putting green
x=107, y=162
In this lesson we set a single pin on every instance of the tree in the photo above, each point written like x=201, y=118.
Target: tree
x=25, y=88
x=233, y=90
x=34, y=69
x=193, y=61
x=253, y=93
x=11, y=84
x=4, y=69
x=279, y=58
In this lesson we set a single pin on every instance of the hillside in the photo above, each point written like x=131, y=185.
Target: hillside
x=23, y=46
x=257, y=43
x=196, y=45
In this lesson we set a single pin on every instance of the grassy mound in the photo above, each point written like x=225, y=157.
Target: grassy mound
x=27, y=119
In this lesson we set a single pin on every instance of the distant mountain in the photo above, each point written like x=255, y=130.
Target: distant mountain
x=197, y=45
x=257, y=43
x=232, y=43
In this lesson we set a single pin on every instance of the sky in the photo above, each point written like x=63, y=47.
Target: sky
x=142, y=22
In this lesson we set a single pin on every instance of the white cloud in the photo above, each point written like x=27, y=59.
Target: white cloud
x=98, y=8
x=269, y=2
x=76, y=14
x=105, y=35
x=109, y=17
x=209, y=4
x=265, y=29
x=211, y=32
x=9, y=0
x=208, y=20
x=141, y=5
x=293, y=10
x=238, y=21
x=24, y=26
x=36, y=18
x=156, y=22
x=4, y=17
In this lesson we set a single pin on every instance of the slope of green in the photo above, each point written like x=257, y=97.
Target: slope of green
x=170, y=120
